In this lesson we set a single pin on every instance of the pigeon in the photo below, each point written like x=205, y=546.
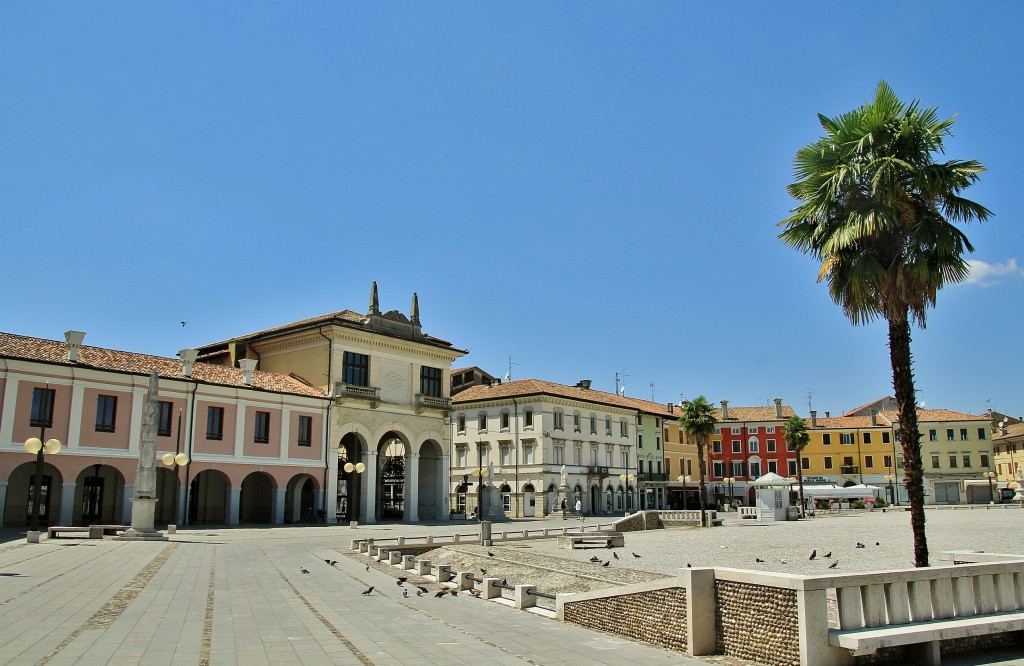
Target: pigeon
x=827, y=555
x=490, y=554
x=758, y=559
x=304, y=570
x=368, y=590
x=814, y=554
x=783, y=561
x=606, y=563
x=609, y=546
x=440, y=593
x=450, y=578
x=834, y=565
x=504, y=581
x=595, y=559
x=367, y=567
x=859, y=545
x=483, y=571
x=327, y=561
x=402, y=579
x=877, y=543
x=635, y=555
x=405, y=593
x=418, y=593
x=399, y=583
x=476, y=593
x=688, y=565
x=422, y=589
x=615, y=555
x=454, y=593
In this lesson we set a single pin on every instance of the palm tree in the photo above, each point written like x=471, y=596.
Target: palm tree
x=878, y=211
x=797, y=437
x=698, y=423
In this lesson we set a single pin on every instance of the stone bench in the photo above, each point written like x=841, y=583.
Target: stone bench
x=91, y=531
x=747, y=512
x=594, y=539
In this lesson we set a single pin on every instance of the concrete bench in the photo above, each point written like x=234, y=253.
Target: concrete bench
x=594, y=539
x=91, y=531
x=747, y=512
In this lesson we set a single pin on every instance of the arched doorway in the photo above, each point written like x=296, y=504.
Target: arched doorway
x=392, y=477
x=167, y=493
x=430, y=482
x=99, y=490
x=608, y=499
x=529, y=501
x=21, y=494
x=300, y=500
x=551, y=501
x=208, y=498
x=595, y=499
x=506, y=498
x=350, y=477
x=460, y=499
x=256, y=502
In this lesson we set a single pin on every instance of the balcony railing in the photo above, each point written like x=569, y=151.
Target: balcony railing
x=596, y=470
x=432, y=402
x=849, y=469
x=653, y=476
x=344, y=391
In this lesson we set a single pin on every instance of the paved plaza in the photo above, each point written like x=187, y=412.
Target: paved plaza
x=239, y=595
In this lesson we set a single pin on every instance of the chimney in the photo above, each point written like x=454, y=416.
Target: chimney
x=247, y=365
x=188, y=357
x=725, y=410
x=778, y=408
x=827, y=415
x=814, y=418
x=74, y=340
x=874, y=417
x=584, y=384
x=671, y=408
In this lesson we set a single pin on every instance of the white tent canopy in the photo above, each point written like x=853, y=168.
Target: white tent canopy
x=839, y=492
x=771, y=479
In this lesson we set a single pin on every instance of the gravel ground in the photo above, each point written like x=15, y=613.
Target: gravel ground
x=785, y=547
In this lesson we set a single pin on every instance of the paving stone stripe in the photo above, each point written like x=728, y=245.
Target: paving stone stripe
x=204, y=650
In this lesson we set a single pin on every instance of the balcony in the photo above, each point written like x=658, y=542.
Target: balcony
x=849, y=469
x=652, y=477
x=343, y=392
x=597, y=471
x=432, y=402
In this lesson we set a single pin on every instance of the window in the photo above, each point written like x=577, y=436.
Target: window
x=828, y=462
x=163, y=428
x=737, y=468
x=949, y=435
x=528, y=419
x=885, y=437
x=607, y=426
x=659, y=467
x=576, y=422
x=261, y=435
x=984, y=460
x=791, y=467
x=460, y=455
x=593, y=456
x=481, y=422
x=430, y=381
x=887, y=462
x=966, y=460
x=623, y=428
x=737, y=446
x=355, y=369
x=577, y=453
x=214, y=423
x=867, y=437
x=771, y=445
x=504, y=421
x=716, y=446
x=752, y=430
x=755, y=470
x=42, y=407
x=593, y=425
x=558, y=420
x=933, y=436
x=624, y=456
x=506, y=454
x=952, y=461
x=770, y=430
x=846, y=438
x=657, y=442
x=608, y=457
x=897, y=435
x=640, y=466
x=718, y=469
x=935, y=462
x=461, y=426
x=106, y=413
x=305, y=431
x=773, y=467
x=640, y=440
x=963, y=434
x=869, y=461
x=981, y=433
x=559, y=454
x=735, y=431
x=826, y=439
x=753, y=445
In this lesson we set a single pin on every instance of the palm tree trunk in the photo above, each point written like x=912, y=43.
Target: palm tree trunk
x=800, y=478
x=703, y=493
x=910, y=437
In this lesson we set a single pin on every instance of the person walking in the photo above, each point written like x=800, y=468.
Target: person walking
x=564, y=506
x=579, y=509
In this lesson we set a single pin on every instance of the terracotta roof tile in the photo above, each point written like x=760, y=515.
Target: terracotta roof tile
x=1012, y=430
x=526, y=387
x=754, y=414
x=841, y=422
x=938, y=416
x=51, y=351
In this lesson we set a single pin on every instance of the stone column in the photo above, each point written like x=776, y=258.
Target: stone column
x=3, y=500
x=318, y=501
x=75, y=425
x=412, y=487
x=180, y=509
x=279, y=497
x=126, y=503
x=444, y=488
x=7, y=425
x=368, y=502
x=67, y=503
x=234, y=497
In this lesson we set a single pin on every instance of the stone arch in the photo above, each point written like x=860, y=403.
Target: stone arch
x=208, y=498
x=300, y=499
x=256, y=498
x=352, y=448
x=529, y=500
x=431, y=481
x=99, y=493
x=20, y=495
x=392, y=449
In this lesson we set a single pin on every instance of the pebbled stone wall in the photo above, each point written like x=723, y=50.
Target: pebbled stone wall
x=757, y=622
x=657, y=617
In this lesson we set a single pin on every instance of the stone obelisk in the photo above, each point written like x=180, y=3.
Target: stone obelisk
x=144, y=500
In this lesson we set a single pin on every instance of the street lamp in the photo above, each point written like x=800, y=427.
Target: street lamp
x=175, y=460
x=626, y=478
x=990, y=475
x=729, y=480
x=892, y=491
x=350, y=468
x=480, y=473
x=685, y=478
x=36, y=446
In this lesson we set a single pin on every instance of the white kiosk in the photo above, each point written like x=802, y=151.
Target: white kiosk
x=771, y=492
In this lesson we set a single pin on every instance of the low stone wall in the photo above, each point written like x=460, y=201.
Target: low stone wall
x=636, y=522
x=658, y=617
x=757, y=622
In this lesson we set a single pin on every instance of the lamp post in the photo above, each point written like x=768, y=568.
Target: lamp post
x=177, y=461
x=990, y=475
x=352, y=468
x=480, y=473
x=36, y=446
x=626, y=478
x=685, y=478
x=892, y=491
x=729, y=480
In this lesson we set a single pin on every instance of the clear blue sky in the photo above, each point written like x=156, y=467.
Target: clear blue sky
x=586, y=187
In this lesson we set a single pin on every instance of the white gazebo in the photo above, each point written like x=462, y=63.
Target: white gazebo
x=772, y=497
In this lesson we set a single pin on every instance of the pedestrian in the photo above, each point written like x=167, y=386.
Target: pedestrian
x=579, y=509
x=564, y=506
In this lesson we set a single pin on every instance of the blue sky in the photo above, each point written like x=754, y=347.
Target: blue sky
x=587, y=188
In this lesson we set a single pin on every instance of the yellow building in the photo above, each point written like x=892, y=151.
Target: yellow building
x=851, y=450
x=1008, y=451
x=680, y=462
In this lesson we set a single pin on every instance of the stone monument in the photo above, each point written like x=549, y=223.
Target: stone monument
x=144, y=500
x=1019, y=495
